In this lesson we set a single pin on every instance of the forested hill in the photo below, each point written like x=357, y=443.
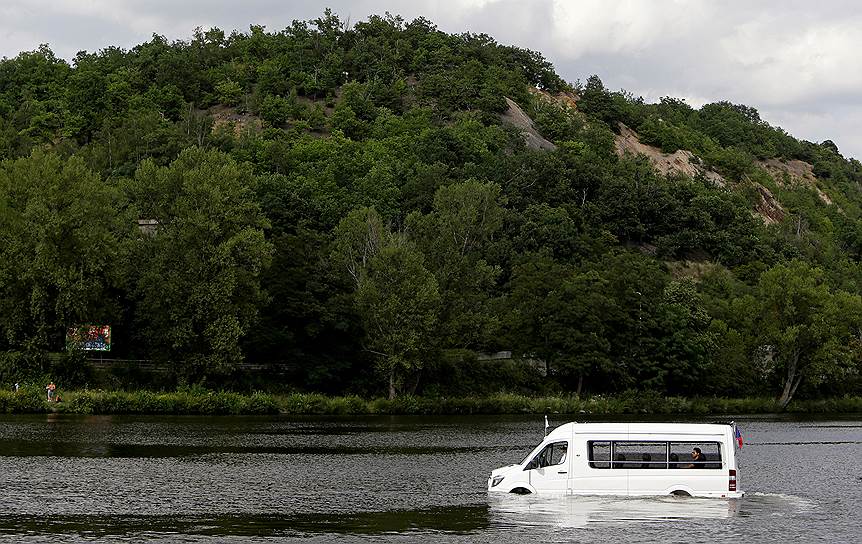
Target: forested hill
x=368, y=208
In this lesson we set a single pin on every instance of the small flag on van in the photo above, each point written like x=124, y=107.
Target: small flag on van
x=738, y=437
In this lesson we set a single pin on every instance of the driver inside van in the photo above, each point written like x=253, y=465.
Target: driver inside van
x=554, y=454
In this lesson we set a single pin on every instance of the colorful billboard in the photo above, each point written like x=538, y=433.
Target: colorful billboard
x=89, y=337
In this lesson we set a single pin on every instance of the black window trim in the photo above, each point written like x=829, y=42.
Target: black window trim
x=716, y=464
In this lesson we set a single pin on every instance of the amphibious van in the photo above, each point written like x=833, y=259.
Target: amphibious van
x=627, y=459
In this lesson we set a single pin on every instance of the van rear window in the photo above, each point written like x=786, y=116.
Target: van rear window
x=653, y=454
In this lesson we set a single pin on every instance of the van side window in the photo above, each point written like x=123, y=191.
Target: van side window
x=641, y=454
x=710, y=451
x=552, y=454
x=599, y=454
x=653, y=455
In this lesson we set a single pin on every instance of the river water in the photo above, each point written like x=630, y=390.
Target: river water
x=396, y=479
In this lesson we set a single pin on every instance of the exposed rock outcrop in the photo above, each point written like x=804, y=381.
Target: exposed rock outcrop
x=516, y=117
x=569, y=100
x=794, y=171
x=680, y=162
x=768, y=207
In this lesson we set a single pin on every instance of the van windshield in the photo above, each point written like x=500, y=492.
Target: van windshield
x=529, y=453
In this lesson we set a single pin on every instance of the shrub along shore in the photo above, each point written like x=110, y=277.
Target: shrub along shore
x=196, y=401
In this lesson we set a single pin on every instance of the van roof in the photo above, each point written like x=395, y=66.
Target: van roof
x=568, y=429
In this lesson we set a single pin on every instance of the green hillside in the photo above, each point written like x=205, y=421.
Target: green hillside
x=371, y=209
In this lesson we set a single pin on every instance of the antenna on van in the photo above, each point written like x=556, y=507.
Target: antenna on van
x=546, y=424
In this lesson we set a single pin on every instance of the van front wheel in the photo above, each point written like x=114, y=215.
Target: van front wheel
x=520, y=491
x=680, y=493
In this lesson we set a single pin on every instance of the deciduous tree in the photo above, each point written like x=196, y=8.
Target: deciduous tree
x=198, y=285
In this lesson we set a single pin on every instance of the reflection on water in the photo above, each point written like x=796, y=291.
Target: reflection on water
x=573, y=512
x=580, y=511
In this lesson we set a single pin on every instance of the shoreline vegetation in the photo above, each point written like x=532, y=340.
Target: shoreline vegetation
x=198, y=401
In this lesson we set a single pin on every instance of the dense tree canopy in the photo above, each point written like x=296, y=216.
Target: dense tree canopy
x=347, y=207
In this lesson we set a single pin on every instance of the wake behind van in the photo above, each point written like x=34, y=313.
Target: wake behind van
x=627, y=459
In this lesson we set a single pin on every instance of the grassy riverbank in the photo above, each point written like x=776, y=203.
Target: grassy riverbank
x=203, y=402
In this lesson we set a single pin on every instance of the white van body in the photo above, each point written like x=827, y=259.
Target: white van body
x=638, y=459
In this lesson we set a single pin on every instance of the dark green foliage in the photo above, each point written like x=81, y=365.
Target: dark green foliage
x=328, y=200
x=203, y=258
x=29, y=399
x=64, y=234
x=20, y=367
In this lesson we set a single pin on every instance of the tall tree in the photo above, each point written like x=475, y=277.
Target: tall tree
x=199, y=290
x=396, y=297
x=62, y=241
x=398, y=302
x=683, y=339
x=806, y=330
x=454, y=237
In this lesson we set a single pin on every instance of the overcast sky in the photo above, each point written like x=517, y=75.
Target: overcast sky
x=794, y=61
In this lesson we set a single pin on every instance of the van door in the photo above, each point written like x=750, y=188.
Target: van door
x=597, y=473
x=548, y=471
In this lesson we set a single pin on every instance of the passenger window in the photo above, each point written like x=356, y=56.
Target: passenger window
x=653, y=455
x=638, y=455
x=695, y=455
x=552, y=454
x=600, y=454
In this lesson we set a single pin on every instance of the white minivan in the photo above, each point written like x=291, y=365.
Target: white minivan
x=627, y=459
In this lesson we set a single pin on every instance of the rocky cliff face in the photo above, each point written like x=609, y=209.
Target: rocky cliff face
x=794, y=172
x=680, y=162
x=516, y=117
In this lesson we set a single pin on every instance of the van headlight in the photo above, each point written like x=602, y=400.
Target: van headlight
x=496, y=481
